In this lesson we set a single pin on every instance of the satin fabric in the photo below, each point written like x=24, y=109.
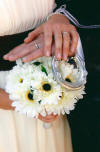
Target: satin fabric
x=22, y=15
x=19, y=133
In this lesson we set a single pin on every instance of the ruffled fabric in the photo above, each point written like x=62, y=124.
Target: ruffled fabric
x=18, y=16
x=19, y=133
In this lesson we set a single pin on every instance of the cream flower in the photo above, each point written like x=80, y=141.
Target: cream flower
x=33, y=89
x=48, y=89
x=69, y=73
x=19, y=79
x=26, y=102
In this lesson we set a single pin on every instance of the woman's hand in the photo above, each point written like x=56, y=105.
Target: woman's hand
x=58, y=31
x=5, y=102
x=63, y=33
x=26, y=51
x=48, y=118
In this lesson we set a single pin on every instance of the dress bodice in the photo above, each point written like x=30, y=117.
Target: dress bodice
x=19, y=16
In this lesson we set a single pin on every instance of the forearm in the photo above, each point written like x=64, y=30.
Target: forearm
x=5, y=102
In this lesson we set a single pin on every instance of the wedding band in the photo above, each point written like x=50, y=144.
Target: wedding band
x=36, y=45
x=65, y=33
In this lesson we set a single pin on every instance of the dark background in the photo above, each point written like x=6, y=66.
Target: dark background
x=85, y=119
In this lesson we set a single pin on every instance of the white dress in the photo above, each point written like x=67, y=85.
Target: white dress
x=19, y=133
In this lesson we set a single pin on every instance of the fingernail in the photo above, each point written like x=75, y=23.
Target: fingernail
x=11, y=57
x=47, y=53
x=5, y=56
x=65, y=58
x=59, y=56
x=72, y=50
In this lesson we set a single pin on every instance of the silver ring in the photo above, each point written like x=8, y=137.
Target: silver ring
x=36, y=45
x=74, y=85
x=65, y=33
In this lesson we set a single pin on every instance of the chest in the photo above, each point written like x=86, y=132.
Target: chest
x=18, y=16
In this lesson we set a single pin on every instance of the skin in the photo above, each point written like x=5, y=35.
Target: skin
x=51, y=40
x=65, y=43
x=5, y=102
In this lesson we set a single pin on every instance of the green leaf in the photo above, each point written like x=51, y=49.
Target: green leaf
x=37, y=63
x=31, y=91
x=43, y=69
x=39, y=101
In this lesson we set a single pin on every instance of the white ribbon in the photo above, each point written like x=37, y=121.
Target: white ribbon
x=63, y=10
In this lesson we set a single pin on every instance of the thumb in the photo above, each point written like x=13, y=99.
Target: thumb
x=32, y=35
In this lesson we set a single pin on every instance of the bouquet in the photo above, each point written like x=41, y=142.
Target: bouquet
x=33, y=89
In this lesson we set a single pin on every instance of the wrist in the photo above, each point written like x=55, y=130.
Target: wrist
x=57, y=17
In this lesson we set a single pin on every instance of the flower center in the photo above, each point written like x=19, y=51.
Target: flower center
x=46, y=87
x=68, y=79
x=29, y=96
x=37, y=63
x=61, y=98
x=20, y=80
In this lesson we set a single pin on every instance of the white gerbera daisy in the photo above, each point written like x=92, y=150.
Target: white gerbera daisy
x=69, y=73
x=34, y=90
x=66, y=102
x=27, y=102
x=19, y=79
x=47, y=88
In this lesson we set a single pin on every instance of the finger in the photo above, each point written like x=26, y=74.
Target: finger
x=33, y=55
x=66, y=45
x=58, y=44
x=21, y=51
x=33, y=34
x=13, y=51
x=47, y=43
x=48, y=119
x=48, y=116
x=53, y=49
x=74, y=42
